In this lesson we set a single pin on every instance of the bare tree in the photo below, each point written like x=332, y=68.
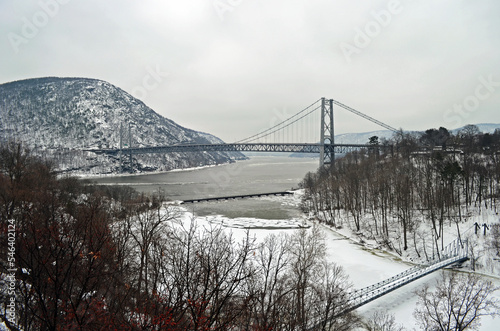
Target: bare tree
x=457, y=303
x=330, y=300
x=147, y=223
x=382, y=321
x=307, y=249
x=318, y=288
x=268, y=287
x=494, y=241
x=203, y=272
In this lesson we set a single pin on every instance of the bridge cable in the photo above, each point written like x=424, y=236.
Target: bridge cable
x=371, y=119
x=281, y=128
x=257, y=136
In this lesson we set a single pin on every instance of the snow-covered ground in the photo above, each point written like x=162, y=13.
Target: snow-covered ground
x=364, y=264
x=113, y=175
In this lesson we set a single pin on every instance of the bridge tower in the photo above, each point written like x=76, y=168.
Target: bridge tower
x=125, y=144
x=327, y=153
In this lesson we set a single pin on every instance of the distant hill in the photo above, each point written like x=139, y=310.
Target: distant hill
x=364, y=137
x=58, y=117
x=483, y=127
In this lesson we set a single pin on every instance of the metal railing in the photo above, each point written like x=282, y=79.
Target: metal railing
x=454, y=252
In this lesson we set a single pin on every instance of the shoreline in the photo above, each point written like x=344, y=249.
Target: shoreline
x=92, y=176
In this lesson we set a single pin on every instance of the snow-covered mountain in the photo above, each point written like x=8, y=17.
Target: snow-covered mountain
x=60, y=117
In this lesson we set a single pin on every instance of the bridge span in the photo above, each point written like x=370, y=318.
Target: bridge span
x=242, y=147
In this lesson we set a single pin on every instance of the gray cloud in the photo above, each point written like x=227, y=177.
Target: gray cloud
x=225, y=66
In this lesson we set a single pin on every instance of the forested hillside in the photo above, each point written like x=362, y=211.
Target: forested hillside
x=432, y=183
x=60, y=118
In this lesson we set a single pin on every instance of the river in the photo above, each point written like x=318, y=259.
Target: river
x=260, y=174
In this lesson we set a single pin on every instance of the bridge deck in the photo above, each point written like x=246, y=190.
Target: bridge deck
x=240, y=147
x=418, y=273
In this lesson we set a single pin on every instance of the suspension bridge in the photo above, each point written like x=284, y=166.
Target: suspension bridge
x=454, y=253
x=310, y=130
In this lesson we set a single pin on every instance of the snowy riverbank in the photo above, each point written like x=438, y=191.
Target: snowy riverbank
x=365, y=261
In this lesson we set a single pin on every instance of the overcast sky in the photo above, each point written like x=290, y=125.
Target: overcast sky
x=232, y=67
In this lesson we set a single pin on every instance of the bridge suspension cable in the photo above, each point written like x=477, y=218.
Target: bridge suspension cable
x=284, y=131
x=283, y=124
x=371, y=119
